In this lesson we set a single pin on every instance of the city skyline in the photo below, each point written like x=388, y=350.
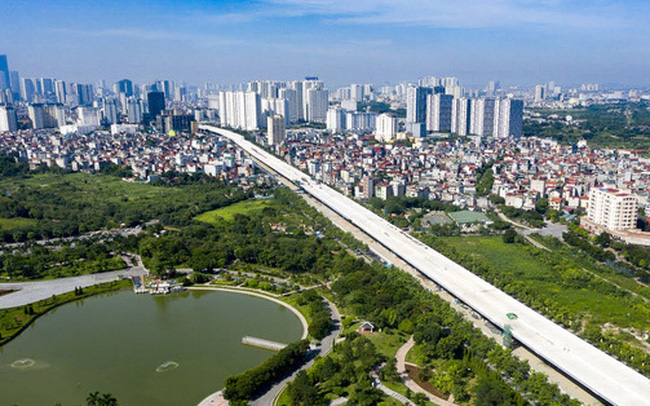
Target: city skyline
x=373, y=42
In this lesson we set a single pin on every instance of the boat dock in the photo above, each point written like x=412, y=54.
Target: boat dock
x=262, y=343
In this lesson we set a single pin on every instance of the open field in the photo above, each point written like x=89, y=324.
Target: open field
x=560, y=280
x=54, y=205
x=227, y=213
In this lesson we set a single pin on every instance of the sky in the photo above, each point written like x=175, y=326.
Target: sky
x=518, y=42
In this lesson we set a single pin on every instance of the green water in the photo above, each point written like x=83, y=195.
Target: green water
x=115, y=343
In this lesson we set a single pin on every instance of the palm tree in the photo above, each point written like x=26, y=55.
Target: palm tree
x=108, y=400
x=93, y=399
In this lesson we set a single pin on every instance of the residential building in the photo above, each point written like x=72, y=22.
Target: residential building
x=612, y=209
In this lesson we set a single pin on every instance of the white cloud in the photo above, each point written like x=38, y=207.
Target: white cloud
x=456, y=13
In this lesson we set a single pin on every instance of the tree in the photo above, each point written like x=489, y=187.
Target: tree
x=303, y=393
x=604, y=240
x=108, y=400
x=93, y=399
x=541, y=206
x=509, y=236
x=420, y=399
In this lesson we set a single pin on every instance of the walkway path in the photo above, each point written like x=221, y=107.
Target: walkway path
x=508, y=220
x=30, y=292
x=400, y=357
x=388, y=391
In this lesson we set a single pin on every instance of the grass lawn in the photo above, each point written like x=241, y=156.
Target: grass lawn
x=388, y=344
x=536, y=269
x=228, y=213
x=17, y=223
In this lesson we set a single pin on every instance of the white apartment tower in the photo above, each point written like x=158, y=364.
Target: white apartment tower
x=461, y=114
x=317, y=104
x=386, y=127
x=612, y=209
x=335, y=121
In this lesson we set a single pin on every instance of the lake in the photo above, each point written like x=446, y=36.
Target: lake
x=145, y=350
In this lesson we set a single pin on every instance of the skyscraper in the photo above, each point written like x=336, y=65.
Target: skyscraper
x=461, y=116
x=540, y=93
x=109, y=111
x=5, y=82
x=335, y=121
x=14, y=84
x=291, y=95
x=60, y=91
x=8, y=121
x=386, y=127
x=416, y=104
x=482, y=122
x=156, y=103
x=508, y=118
x=239, y=109
x=276, y=129
x=82, y=95
x=317, y=103
x=438, y=116
x=27, y=89
x=125, y=86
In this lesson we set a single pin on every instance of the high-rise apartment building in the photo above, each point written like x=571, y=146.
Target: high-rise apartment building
x=276, y=130
x=5, y=82
x=540, y=93
x=156, y=103
x=125, y=86
x=291, y=95
x=335, y=120
x=8, y=120
x=27, y=89
x=386, y=127
x=461, y=114
x=241, y=110
x=360, y=121
x=438, y=117
x=110, y=111
x=60, y=91
x=612, y=209
x=356, y=92
x=508, y=118
x=46, y=115
x=416, y=104
x=82, y=95
x=14, y=84
x=134, y=111
x=482, y=121
x=317, y=104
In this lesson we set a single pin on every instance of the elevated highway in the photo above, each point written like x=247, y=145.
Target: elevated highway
x=598, y=372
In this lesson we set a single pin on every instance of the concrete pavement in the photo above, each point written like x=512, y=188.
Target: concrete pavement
x=30, y=292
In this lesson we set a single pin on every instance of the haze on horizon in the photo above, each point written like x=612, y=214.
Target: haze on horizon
x=222, y=41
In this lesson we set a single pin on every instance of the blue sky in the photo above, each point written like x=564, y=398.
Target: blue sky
x=342, y=41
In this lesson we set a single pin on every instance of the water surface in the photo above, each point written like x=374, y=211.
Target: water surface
x=145, y=350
